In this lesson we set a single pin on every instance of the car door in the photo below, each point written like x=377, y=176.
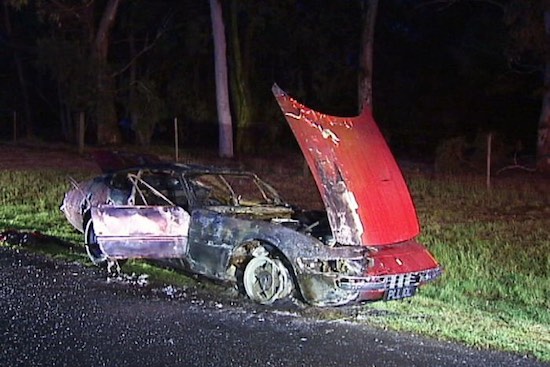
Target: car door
x=153, y=232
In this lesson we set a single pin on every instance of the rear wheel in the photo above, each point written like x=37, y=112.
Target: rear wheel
x=96, y=255
x=93, y=250
x=266, y=279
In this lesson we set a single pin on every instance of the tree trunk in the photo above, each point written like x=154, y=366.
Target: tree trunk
x=222, y=93
x=131, y=112
x=366, y=59
x=239, y=87
x=65, y=116
x=27, y=113
x=543, y=141
x=81, y=132
x=107, y=128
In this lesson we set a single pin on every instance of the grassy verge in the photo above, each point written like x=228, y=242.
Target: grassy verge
x=495, y=247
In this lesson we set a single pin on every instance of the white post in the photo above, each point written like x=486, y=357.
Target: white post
x=14, y=126
x=489, y=143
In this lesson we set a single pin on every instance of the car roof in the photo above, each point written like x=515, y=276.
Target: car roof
x=113, y=161
x=187, y=169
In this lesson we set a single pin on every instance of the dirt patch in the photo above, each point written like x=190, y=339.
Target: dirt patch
x=287, y=172
x=29, y=157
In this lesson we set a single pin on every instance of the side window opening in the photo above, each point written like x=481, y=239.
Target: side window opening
x=231, y=189
x=210, y=190
x=120, y=181
x=157, y=189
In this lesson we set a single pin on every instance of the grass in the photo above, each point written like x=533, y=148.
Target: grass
x=494, y=245
x=30, y=200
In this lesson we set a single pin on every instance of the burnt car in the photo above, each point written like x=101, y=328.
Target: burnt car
x=231, y=226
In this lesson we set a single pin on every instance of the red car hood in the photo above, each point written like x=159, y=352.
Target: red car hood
x=367, y=200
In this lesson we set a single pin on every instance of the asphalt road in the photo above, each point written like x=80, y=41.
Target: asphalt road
x=54, y=313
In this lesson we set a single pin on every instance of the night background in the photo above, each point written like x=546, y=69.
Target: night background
x=446, y=73
x=448, y=77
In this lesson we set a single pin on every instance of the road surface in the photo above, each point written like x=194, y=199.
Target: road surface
x=55, y=313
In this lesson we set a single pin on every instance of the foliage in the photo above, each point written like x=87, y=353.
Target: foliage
x=449, y=156
x=147, y=109
x=459, y=155
x=69, y=64
x=526, y=22
x=17, y=4
x=436, y=73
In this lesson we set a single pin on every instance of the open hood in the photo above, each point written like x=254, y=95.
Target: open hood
x=367, y=200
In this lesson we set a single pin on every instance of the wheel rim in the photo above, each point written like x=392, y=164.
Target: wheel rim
x=266, y=280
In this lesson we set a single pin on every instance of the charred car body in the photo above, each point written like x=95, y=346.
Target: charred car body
x=230, y=225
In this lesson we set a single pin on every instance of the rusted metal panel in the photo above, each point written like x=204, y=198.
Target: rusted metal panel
x=141, y=231
x=366, y=197
x=77, y=201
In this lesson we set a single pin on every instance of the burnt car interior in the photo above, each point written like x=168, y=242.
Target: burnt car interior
x=151, y=188
x=240, y=194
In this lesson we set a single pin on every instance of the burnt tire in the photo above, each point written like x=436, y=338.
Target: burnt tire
x=93, y=250
x=266, y=279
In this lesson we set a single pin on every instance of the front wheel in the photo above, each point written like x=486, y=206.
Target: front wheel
x=266, y=279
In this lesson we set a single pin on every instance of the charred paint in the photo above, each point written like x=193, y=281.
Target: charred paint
x=141, y=232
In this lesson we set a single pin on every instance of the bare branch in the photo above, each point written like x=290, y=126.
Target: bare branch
x=71, y=9
x=448, y=3
x=146, y=48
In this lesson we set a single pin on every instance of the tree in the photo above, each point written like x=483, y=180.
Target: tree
x=67, y=61
x=139, y=79
x=225, y=139
x=367, y=54
x=146, y=109
x=106, y=118
x=74, y=26
x=529, y=26
x=543, y=142
x=240, y=80
x=529, y=22
x=18, y=63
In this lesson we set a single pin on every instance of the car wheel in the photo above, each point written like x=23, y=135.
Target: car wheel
x=93, y=250
x=266, y=279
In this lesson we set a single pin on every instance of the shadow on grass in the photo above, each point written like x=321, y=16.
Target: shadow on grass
x=37, y=240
